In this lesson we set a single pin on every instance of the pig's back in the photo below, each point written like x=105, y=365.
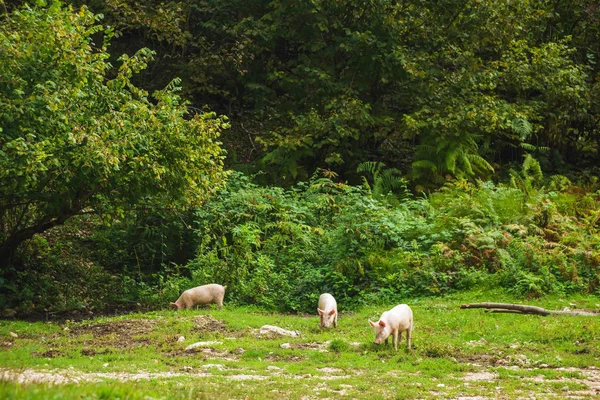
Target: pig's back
x=327, y=302
x=401, y=316
x=205, y=292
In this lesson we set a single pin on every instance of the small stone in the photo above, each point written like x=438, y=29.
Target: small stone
x=14, y=335
x=181, y=339
x=270, y=330
x=285, y=346
x=220, y=367
x=202, y=344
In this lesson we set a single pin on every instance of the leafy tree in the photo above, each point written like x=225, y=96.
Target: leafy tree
x=78, y=137
x=439, y=90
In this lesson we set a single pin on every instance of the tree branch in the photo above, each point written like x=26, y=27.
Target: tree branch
x=524, y=309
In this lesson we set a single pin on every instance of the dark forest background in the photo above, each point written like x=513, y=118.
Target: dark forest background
x=375, y=149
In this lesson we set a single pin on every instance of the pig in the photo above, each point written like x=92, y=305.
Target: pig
x=394, y=322
x=212, y=293
x=327, y=309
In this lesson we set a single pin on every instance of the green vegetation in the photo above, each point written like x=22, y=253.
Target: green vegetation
x=385, y=152
x=450, y=88
x=455, y=353
x=77, y=136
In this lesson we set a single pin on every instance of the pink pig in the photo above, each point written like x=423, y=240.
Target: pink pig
x=394, y=322
x=212, y=293
x=327, y=309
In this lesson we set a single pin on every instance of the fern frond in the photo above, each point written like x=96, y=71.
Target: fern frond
x=371, y=167
x=425, y=164
x=450, y=160
x=528, y=146
x=480, y=163
x=365, y=184
x=532, y=168
x=522, y=127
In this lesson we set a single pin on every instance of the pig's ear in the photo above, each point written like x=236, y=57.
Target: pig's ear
x=331, y=312
x=372, y=323
x=381, y=323
x=320, y=311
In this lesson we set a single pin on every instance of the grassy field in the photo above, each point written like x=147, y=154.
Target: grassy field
x=466, y=354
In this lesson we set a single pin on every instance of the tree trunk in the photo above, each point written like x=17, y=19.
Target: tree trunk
x=10, y=245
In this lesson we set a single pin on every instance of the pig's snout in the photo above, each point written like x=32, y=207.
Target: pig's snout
x=377, y=341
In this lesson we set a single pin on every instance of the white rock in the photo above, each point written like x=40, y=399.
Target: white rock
x=220, y=367
x=201, y=344
x=181, y=339
x=277, y=331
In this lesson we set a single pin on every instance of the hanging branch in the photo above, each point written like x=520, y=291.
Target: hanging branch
x=523, y=309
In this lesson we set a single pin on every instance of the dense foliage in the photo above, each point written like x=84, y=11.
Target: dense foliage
x=281, y=248
x=77, y=137
x=437, y=89
x=409, y=140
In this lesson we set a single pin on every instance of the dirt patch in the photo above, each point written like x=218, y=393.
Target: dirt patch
x=482, y=360
x=206, y=323
x=205, y=354
x=92, y=352
x=277, y=357
x=480, y=376
x=119, y=334
x=52, y=353
x=62, y=377
x=309, y=346
x=6, y=345
x=110, y=310
x=123, y=329
x=591, y=379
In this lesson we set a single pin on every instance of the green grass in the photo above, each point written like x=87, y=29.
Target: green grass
x=455, y=353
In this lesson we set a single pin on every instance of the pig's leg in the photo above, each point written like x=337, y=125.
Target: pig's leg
x=408, y=338
x=335, y=321
x=395, y=339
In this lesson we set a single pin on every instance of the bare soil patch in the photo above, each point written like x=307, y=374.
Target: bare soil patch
x=205, y=354
x=92, y=352
x=119, y=334
x=277, y=357
x=52, y=353
x=207, y=324
x=123, y=329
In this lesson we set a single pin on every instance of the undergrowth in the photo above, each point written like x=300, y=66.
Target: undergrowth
x=281, y=248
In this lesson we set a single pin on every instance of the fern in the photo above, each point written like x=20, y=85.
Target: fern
x=532, y=169
x=385, y=180
x=522, y=127
x=531, y=147
x=530, y=177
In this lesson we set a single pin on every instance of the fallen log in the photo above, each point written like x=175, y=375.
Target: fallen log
x=524, y=309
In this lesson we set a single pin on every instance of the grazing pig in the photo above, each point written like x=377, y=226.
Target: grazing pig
x=394, y=322
x=212, y=293
x=327, y=309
